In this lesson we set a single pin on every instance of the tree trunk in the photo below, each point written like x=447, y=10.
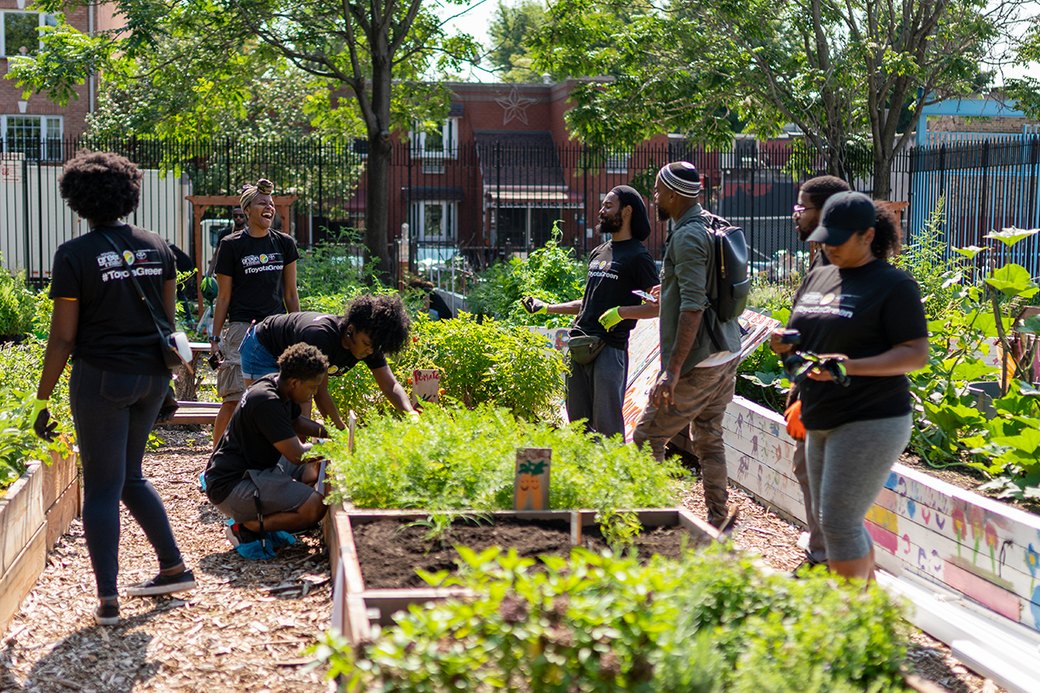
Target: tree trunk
x=883, y=156
x=377, y=203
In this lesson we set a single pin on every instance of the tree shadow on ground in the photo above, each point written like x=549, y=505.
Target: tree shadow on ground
x=117, y=656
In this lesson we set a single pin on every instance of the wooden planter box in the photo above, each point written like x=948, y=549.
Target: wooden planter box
x=34, y=512
x=355, y=608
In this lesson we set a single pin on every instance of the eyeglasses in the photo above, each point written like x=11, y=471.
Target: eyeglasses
x=238, y=216
x=798, y=209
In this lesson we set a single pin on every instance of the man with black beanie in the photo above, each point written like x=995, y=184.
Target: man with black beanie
x=699, y=352
x=607, y=313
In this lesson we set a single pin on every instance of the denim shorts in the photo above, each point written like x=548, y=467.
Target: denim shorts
x=257, y=361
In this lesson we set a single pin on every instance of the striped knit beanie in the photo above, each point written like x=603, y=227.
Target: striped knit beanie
x=681, y=177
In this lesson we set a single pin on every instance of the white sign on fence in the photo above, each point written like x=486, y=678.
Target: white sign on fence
x=11, y=167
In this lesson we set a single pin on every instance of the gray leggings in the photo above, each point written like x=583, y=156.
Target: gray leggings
x=847, y=467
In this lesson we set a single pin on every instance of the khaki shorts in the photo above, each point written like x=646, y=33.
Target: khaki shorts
x=230, y=384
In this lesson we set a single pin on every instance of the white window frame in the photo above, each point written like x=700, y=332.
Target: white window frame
x=42, y=19
x=449, y=220
x=50, y=142
x=433, y=158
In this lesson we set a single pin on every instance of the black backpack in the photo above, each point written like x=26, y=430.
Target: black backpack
x=732, y=284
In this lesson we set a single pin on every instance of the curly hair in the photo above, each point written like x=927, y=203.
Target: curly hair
x=888, y=234
x=100, y=186
x=302, y=361
x=383, y=318
x=818, y=189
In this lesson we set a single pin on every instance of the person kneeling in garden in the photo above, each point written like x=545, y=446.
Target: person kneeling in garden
x=257, y=475
x=372, y=326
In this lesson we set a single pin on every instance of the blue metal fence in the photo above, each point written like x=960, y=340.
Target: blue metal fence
x=987, y=185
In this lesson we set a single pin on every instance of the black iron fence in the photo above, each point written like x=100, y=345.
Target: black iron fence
x=462, y=206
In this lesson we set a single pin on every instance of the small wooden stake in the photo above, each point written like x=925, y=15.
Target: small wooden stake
x=531, y=484
x=351, y=427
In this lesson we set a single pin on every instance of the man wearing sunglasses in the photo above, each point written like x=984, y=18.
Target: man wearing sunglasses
x=811, y=198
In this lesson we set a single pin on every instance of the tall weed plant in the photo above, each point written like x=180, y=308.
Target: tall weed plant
x=455, y=458
x=551, y=273
x=710, y=623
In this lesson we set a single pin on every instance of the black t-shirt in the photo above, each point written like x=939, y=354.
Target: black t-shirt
x=860, y=312
x=615, y=269
x=255, y=266
x=261, y=419
x=279, y=332
x=116, y=331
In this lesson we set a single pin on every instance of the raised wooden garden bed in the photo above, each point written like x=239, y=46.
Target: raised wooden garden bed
x=34, y=512
x=368, y=548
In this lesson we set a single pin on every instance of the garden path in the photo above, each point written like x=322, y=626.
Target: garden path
x=247, y=625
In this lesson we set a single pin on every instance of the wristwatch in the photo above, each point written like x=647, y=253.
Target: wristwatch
x=214, y=339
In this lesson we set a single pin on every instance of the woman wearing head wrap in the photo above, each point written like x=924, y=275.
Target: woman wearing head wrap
x=607, y=312
x=256, y=277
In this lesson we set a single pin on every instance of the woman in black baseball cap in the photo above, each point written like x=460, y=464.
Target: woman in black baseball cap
x=866, y=317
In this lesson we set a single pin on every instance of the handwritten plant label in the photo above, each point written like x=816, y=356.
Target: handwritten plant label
x=426, y=385
x=531, y=484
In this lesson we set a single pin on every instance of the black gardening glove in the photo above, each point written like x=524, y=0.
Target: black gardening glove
x=42, y=424
x=532, y=305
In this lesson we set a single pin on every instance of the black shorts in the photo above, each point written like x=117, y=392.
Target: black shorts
x=279, y=489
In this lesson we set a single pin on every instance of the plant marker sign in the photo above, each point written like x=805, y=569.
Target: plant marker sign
x=531, y=483
x=426, y=385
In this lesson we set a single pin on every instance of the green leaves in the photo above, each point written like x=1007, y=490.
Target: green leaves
x=1013, y=280
x=1010, y=236
x=606, y=622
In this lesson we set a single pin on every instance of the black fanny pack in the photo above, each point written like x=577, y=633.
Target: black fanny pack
x=584, y=348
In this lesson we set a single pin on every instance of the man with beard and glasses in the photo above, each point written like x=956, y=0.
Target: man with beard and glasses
x=607, y=312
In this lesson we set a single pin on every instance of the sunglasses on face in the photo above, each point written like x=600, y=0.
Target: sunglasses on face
x=798, y=209
x=239, y=216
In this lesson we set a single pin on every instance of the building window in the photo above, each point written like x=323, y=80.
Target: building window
x=435, y=221
x=37, y=137
x=617, y=162
x=20, y=32
x=435, y=144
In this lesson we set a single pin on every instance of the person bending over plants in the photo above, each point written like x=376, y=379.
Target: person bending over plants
x=371, y=327
x=257, y=475
x=860, y=320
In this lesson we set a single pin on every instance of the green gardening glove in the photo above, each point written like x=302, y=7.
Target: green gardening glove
x=611, y=318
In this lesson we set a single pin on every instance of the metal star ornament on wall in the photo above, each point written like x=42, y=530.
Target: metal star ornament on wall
x=514, y=106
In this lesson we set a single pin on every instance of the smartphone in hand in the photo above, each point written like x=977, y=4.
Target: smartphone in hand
x=644, y=295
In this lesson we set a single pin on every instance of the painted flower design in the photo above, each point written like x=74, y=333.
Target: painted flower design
x=959, y=524
x=1032, y=560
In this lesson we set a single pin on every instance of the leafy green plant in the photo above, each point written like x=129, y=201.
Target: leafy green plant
x=455, y=458
x=19, y=445
x=484, y=362
x=712, y=622
x=550, y=273
x=17, y=305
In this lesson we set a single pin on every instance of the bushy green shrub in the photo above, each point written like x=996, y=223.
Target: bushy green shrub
x=712, y=622
x=17, y=304
x=456, y=458
x=480, y=362
x=550, y=273
x=21, y=365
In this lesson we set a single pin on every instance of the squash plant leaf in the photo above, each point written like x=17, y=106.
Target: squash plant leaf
x=1013, y=280
x=1011, y=235
x=970, y=251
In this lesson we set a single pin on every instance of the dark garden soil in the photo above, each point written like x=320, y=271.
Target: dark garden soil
x=966, y=478
x=391, y=551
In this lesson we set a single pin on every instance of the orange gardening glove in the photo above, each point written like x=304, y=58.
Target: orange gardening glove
x=793, y=417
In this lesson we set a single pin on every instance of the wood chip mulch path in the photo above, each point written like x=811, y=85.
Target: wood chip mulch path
x=245, y=627
x=248, y=624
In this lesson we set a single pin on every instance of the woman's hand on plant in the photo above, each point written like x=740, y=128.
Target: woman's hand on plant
x=533, y=305
x=43, y=426
x=611, y=318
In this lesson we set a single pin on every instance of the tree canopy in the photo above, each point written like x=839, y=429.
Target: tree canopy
x=368, y=67
x=839, y=70
x=512, y=29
